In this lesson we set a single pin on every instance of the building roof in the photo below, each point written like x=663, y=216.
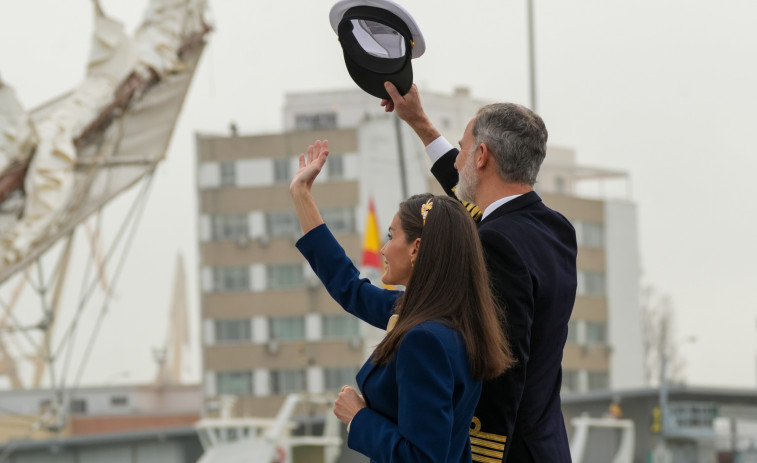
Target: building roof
x=101, y=439
x=699, y=393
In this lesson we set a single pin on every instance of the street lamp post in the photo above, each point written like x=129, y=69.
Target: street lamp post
x=664, y=415
x=663, y=403
x=532, y=54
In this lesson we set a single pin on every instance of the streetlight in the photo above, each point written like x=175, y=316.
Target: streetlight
x=664, y=395
x=531, y=54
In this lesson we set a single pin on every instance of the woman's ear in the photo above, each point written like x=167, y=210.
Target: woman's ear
x=414, y=249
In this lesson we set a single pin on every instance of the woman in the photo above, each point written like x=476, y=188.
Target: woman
x=421, y=385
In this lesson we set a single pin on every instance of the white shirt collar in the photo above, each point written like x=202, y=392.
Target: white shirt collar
x=493, y=206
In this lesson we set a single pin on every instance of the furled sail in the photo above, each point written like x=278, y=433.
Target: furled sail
x=64, y=160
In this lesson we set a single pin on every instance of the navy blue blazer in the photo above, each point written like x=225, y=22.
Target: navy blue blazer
x=530, y=252
x=421, y=403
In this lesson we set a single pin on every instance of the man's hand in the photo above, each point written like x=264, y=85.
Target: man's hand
x=408, y=107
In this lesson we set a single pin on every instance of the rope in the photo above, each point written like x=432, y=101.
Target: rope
x=116, y=275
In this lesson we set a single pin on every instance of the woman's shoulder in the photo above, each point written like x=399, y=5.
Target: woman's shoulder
x=437, y=344
x=434, y=329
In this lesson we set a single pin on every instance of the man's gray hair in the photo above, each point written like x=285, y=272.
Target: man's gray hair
x=516, y=136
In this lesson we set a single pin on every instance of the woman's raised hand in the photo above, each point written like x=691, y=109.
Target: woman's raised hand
x=310, y=166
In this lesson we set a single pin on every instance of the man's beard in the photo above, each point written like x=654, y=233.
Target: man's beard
x=467, y=182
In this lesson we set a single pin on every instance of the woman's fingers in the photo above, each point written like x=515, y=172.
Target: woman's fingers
x=316, y=152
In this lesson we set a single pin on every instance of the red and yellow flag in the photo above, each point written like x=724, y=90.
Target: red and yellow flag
x=372, y=259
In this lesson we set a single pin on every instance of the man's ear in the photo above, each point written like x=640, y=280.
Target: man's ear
x=483, y=156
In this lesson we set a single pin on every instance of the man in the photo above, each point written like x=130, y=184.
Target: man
x=531, y=255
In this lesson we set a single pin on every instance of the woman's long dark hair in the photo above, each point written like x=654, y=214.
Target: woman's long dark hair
x=449, y=284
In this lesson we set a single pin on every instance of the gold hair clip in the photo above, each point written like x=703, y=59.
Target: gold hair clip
x=425, y=208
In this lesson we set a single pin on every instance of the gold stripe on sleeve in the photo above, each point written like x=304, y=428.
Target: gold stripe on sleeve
x=487, y=452
x=485, y=459
x=486, y=443
x=494, y=437
x=475, y=431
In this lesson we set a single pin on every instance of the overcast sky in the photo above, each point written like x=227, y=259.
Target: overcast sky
x=663, y=90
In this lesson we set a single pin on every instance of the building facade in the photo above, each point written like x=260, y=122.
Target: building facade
x=269, y=328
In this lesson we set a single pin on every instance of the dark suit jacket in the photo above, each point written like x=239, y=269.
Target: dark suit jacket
x=421, y=403
x=530, y=252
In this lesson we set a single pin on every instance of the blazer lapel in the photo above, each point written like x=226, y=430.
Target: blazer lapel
x=363, y=374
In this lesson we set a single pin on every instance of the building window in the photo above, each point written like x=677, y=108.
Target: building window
x=335, y=378
x=231, y=278
x=228, y=174
x=283, y=224
x=693, y=416
x=559, y=185
x=119, y=401
x=569, y=380
x=591, y=284
x=572, y=332
x=229, y=227
x=286, y=328
x=288, y=381
x=598, y=380
x=340, y=326
x=282, y=172
x=45, y=406
x=233, y=331
x=316, y=121
x=591, y=234
x=234, y=382
x=596, y=332
x=286, y=276
x=335, y=167
x=341, y=220
x=78, y=406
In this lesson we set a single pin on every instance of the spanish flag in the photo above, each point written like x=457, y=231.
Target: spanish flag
x=372, y=264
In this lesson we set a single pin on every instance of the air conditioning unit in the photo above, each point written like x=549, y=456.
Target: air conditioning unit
x=272, y=347
x=263, y=240
x=242, y=241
